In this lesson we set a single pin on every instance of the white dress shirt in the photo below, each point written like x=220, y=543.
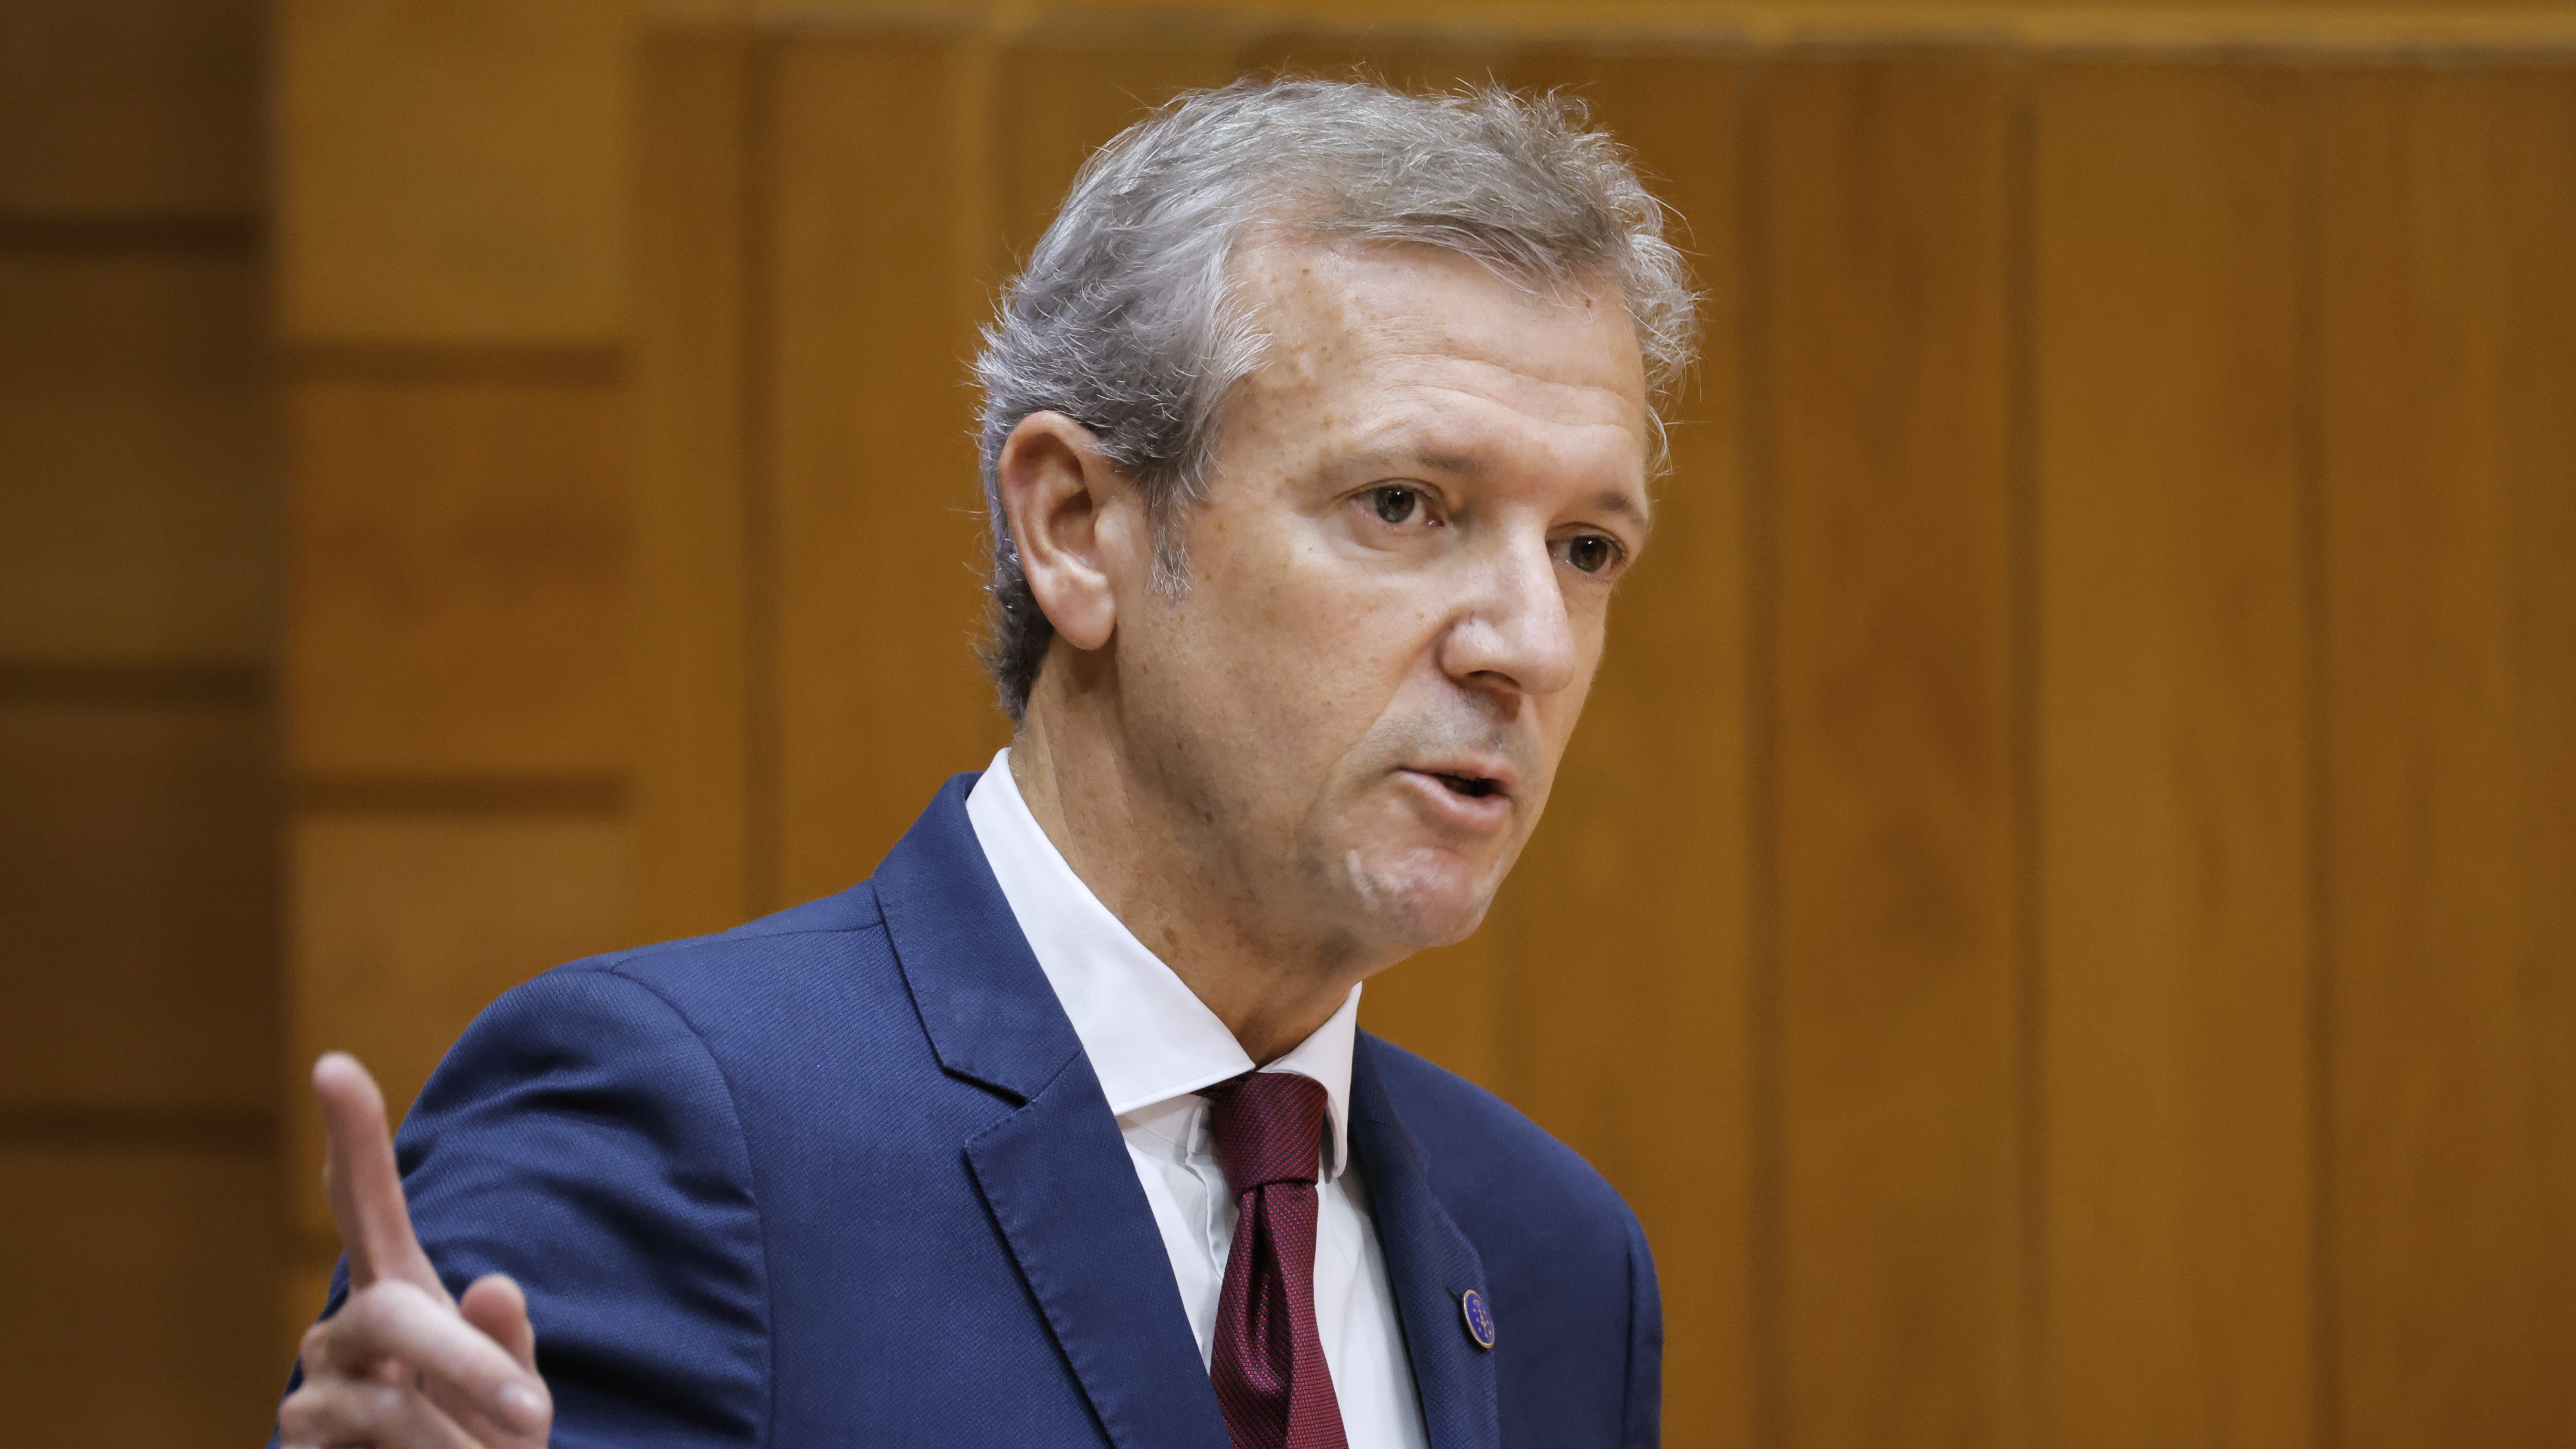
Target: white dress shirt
x=1153, y=1044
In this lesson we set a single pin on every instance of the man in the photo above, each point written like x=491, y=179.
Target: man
x=1317, y=433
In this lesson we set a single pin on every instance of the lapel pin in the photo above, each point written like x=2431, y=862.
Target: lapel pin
x=1480, y=1319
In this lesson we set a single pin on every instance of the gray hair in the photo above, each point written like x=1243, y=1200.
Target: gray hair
x=1127, y=319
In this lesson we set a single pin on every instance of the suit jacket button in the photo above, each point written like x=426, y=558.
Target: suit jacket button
x=1480, y=1319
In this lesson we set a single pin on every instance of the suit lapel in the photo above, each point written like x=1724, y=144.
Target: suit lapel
x=1056, y=1176
x=1429, y=1263
x=1054, y=1173
x=987, y=1008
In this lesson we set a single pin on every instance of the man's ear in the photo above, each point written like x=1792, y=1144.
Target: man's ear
x=1061, y=496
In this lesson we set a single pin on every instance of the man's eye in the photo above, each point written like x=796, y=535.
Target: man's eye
x=1395, y=505
x=1589, y=552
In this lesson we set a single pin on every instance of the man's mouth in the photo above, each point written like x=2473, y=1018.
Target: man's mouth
x=1474, y=787
x=1471, y=777
x=1472, y=795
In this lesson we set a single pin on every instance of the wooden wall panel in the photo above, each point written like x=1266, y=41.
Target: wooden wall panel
x=1885, y=237
x=146, y=1265
x=879, y=601
x=450, y=285
x=403, y=926
x=138, y=584
x=2174, y=760
x=138, y=876
x=1410, y=58
x=144, y=109
x=452, y=170
x=1059, y=94
x=137, y=438
x=692, y=463
x=2448, y=349
x=460, y=557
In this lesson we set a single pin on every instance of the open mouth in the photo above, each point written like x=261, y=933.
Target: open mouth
x=1474, y=787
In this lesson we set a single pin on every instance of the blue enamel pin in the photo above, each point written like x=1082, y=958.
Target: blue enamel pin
x=1480, y=1320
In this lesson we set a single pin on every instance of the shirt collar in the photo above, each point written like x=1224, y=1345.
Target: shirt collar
x=1149, y=1037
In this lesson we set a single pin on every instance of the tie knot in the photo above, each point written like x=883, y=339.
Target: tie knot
x=1268, y=1128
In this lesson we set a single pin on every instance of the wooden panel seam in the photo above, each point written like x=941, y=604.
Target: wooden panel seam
x=460, y=794
x=180, y=1129
x=562, y=364
x=154, y=685
x=2308, y=222
x=27, y=233
x=763, y=606
x=2271, y=34
x=2029, y=803
x=1767, y=1143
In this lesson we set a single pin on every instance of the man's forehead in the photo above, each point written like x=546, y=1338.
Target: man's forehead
x=1350, y=285
x=1416, y=313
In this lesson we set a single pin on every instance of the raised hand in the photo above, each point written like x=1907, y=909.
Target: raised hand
x=402, y=1365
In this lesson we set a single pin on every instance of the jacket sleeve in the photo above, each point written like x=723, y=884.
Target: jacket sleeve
x=1643, y=1413
x=581, y=1139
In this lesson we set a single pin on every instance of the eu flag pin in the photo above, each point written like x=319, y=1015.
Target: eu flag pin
x=1480, y=1319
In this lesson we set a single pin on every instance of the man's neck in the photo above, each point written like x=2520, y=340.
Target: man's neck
x=1271, y=989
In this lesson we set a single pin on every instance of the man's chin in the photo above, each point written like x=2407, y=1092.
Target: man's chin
x=1423, y=897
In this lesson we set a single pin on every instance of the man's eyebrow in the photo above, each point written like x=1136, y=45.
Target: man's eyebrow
x=1458, y=463
x=1612, y=500
x=1403, y=459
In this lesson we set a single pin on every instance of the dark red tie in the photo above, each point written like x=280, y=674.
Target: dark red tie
x=1268, y=1366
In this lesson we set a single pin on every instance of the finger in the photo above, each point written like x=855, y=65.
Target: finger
x=397, y=1321
x=494, y=1304
x=322, y=1355
x=351, y=1412
x=365, y=1185
x=311, y=1353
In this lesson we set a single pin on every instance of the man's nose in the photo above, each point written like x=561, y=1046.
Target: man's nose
x=1513, y=632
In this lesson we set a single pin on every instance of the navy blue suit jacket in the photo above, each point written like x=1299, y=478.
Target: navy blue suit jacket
x=844, y=1176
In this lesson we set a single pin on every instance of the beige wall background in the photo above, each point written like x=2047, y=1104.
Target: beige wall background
x=2058, y=916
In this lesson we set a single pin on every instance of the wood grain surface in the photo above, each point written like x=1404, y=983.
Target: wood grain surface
x=2448, y=201
x=2175, y=753
x=2057, y=917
